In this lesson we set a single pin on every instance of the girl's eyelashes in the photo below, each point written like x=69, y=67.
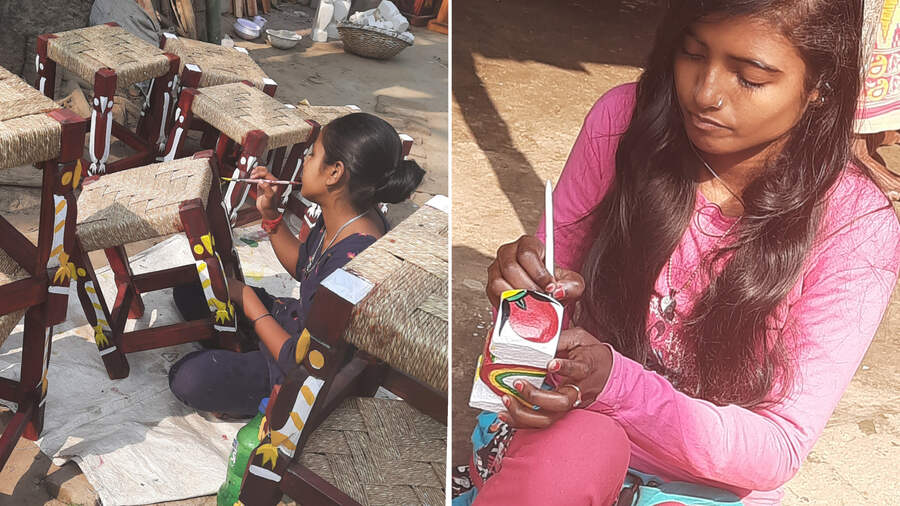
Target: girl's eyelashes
x=749, y=84
x=692, y=56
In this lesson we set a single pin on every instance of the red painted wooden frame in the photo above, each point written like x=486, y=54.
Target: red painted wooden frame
x=329, y=318
x=44, y=306
x=152, y=124
x=198, y=221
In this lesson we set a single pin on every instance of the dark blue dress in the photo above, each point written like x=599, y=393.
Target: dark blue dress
x=233, y=383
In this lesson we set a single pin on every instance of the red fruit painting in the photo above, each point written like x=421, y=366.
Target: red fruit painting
x=532, y=317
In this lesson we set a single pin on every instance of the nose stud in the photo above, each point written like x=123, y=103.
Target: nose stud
x=719, y=103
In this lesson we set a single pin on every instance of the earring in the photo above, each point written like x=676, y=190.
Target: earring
x=826, y=90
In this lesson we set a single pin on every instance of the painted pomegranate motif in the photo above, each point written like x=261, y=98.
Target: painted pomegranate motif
x=532, y=317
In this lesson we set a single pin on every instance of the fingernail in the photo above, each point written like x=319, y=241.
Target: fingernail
x=506, y=401
x=553, y=366
x=519, y=385
x=503, y=418
x=559, y=293
x=550, y=288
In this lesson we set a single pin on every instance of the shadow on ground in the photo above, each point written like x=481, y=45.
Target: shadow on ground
x=521, y=88
x=520, y=91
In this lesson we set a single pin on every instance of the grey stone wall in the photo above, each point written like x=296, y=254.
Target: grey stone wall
x=21, y=21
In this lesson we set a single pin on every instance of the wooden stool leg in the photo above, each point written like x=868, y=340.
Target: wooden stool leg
x=56, y=238
x=210, y=270
x=293, y=414
x=406, y=143
x=158, y=106
x=224, y=146
x=45, y=67
x=33, y=380
x=276, y=161
x=118, y=263
x=183, y=117
x=269, y=87
x=218, y=222
x=210, y=136
x=254, y=145
x=108, y=342
x=101, y=119
x=260, y=484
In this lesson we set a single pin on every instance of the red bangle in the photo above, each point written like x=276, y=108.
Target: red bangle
x=270, y=225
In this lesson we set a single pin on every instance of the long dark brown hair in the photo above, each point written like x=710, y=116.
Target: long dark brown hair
x=731, y=356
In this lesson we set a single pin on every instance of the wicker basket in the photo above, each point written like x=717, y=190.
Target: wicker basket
x=370, y=43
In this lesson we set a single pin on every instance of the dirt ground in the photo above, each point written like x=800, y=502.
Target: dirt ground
x=521, y=89
x=410, y=91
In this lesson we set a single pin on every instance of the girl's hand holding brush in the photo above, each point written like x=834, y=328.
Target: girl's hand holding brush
x=268, y=195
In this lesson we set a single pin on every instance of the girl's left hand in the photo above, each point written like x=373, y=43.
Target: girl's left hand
x=587, y=365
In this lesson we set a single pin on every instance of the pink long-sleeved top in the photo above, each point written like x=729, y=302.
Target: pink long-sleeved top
x=833, y=311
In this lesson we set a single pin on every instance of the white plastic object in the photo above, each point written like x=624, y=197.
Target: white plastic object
x=323, y=18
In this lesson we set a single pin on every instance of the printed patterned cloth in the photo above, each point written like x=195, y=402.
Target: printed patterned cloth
x=879, y=105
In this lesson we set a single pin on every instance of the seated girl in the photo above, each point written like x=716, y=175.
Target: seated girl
x=724, y=259
x=355, y=163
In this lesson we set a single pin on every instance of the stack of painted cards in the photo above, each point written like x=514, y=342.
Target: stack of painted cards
x=522, y=342
x=524, y=337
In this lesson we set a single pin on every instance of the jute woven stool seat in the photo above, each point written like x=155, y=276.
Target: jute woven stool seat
x=248, y=118
x=324, y=114
x=328, y=440
x=180, y=196
x=141, y=203
x=216, y=64
x=236, y=110
x=109, y=57
x=403, y=321
x=27, y=133
x=380, y=452
x=86, y=50
x=34, y=280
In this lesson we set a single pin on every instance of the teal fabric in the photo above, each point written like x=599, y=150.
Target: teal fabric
x=651, y=490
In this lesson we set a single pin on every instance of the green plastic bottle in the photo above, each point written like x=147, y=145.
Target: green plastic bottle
x=247, y=439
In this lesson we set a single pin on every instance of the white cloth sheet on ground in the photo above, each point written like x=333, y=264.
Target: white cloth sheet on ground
x=134, y=441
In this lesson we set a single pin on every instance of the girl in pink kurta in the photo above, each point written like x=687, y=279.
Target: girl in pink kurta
x=767, y=287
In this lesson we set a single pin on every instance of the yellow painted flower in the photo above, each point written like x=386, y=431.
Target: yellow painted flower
x=100, y=337
x=269, y=454
x=66, y=268
x=224, y=311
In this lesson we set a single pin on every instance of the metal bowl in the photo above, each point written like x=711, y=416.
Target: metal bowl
x=246, y=29
x=283, y=39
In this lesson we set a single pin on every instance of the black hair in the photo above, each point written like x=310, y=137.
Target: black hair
x=731, y=353
x=372, y=154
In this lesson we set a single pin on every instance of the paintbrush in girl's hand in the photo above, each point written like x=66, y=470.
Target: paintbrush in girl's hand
x=548, y=228
x=237, y=180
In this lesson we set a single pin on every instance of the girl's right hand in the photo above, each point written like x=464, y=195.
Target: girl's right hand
x=520, y=264
x=267, y=195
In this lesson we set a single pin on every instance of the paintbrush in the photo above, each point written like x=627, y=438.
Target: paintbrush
x=548, y=227
x=238, y=180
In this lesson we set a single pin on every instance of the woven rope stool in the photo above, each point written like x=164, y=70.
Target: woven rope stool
x=250, y=124
x=328, y=441
x=204, y=64
x=34, y=281
x=156, y=200
x=111, y=58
